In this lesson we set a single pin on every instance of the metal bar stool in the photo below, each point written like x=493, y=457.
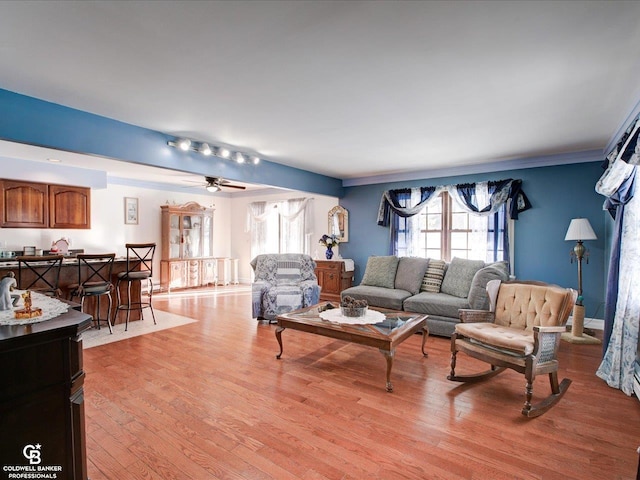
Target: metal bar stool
x=94, y=280
x=139, y=269
x=40, y=273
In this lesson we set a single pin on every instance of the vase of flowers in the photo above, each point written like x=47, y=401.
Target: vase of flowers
x=329, y=241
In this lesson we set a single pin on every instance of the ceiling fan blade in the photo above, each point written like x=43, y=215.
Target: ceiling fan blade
x=239, y=187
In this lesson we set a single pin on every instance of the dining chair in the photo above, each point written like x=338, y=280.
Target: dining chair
x=40, y=273
x=139, y=270
x=94, y=281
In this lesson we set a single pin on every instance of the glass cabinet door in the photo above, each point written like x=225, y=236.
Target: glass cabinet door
x=191, y=236
x=207, y=222
x=174, y=236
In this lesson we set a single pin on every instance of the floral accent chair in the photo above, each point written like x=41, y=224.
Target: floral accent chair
x=283, y=282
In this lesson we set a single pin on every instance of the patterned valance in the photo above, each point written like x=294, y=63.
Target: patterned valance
x=482, y=198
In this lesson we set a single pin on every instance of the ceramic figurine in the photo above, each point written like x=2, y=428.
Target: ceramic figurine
x=7, y=284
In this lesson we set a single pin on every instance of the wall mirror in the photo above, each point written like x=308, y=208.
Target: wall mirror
x=339, y=223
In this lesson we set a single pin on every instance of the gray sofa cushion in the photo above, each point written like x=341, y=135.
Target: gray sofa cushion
x=478, y=298
x=410, y=273
x=432, y=279
x=457, y=280
x=440, y=304
x=380, y=271
x=378, y=296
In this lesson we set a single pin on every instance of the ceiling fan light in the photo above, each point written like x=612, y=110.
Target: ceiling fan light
x=239, y=157
x=255, y=160
x=205, y=149
x=213, y=188
x=184, y=144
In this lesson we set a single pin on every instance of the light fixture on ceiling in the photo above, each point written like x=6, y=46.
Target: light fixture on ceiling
x=205, y=149
x=184, y=144
x=213, y=188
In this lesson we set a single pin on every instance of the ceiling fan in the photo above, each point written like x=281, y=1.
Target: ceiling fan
x=215, y=184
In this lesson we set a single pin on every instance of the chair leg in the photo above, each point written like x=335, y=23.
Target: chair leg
x=109, y=313
x=558, y=390
x=126, y=326
x=150, y=287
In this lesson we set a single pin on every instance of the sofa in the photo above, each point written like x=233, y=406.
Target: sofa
x=429, y=286
x=282, y=283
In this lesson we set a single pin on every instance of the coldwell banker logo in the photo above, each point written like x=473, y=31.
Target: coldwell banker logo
x=34, y=470
x=32, y=453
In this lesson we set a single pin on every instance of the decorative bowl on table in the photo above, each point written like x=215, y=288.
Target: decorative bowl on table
x=353, y=311
x=350, y=307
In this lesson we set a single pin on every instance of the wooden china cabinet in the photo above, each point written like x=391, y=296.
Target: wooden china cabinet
x=332, y=278
x=186, y=258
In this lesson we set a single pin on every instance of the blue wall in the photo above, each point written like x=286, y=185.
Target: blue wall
x=36, y=122
x=557, y=194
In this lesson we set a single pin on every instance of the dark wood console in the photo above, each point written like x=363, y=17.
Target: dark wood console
x=42, y=398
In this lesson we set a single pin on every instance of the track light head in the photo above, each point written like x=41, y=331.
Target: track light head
x=255, y=160
x=184, y=144
x=223, y=152
x=239, y=157
x=205, y=149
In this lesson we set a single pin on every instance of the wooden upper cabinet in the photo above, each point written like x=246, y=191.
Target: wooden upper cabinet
x=24, y=204
x=69, y=207
x=38, y=205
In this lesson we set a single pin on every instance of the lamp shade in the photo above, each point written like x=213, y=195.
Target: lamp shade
x=580, y=229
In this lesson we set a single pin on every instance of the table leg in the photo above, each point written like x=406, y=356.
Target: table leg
x=425, y=335
x=279, y=338
x=388, y=355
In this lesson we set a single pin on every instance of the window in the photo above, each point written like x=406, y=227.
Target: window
x=279, y=227
x=443, y=230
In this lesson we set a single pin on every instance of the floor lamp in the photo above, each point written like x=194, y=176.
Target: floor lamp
x=579, y=230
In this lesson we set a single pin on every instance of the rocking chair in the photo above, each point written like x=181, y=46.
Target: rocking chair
x=521, y=331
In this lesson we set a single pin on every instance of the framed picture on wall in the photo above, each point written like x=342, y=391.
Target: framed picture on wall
x=130, y=211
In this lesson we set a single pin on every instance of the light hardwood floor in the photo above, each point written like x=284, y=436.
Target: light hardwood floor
x=209, y=400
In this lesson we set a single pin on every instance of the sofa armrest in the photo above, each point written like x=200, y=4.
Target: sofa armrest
x=469, y=315
x=552, y=329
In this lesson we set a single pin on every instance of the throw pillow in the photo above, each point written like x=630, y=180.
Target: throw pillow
x=381, y=271
x=410, y=273
x=433, y=276
x=478, y=297
x=457, y=280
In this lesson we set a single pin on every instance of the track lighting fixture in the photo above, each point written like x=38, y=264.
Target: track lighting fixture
x=184, y=144
x=205, y=149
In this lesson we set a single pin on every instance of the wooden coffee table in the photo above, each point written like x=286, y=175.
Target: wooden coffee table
x=386, y=335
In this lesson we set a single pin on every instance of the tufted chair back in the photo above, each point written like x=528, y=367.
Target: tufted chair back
x=523, y=305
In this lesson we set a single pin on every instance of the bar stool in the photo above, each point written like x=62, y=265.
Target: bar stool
x=40, y=273
x=94, y=280
x=139, y=269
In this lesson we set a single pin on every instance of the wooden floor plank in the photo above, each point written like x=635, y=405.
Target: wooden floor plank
x=210, y=400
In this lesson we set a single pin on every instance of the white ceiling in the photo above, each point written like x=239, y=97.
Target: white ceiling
x=350, y=89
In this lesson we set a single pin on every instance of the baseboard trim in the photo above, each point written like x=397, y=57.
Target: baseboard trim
x=592, y=323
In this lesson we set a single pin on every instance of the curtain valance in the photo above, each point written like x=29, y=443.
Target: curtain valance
x=482, y=198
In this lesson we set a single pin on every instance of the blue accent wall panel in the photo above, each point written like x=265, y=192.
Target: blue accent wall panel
x=557, y=193
x=32, y=121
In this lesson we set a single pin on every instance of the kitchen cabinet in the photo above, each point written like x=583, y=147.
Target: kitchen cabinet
x=69, y=207
x=24, y=205
x=186, y=246
x=332, y=278
x=39, y=205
